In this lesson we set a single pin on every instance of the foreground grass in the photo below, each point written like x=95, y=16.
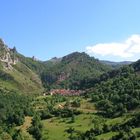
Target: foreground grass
x=106, y=136
x=56, y=128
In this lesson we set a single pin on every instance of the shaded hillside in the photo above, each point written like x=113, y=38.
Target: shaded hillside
x=118, y=71
x=116, y=64
x=72, y=68
x=117, y=91
x=52, y=61
x=35, y=65
x=136, y=66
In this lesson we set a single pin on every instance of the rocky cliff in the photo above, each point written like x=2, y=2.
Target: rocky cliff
x=7, y=55
x=15, y=74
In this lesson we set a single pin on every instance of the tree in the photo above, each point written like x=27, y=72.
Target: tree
x=36, y=128
x=5, y=136
x=72, y=118
x=76, y=103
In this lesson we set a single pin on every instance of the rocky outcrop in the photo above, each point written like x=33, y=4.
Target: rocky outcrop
x=7, y=55
x=63, y=76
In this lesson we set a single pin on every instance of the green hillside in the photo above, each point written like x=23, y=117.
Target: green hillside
x=69, y=70
x=17, y=75
x=30, y=75
x=108, y=110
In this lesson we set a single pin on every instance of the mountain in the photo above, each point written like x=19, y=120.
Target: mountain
x=111, y=98
x=75, y=71
x=117, y=91
x=116, y=64
x=70, y=69
x=54, y=60
x=18, y=72
x=25, y=74
x=136, y=66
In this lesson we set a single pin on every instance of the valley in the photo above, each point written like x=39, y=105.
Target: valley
x=76, y=97
x=84, y=124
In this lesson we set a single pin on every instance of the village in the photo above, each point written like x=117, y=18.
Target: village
x=66, y=92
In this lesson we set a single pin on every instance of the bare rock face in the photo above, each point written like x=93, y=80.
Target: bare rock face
x=63, y=76
x=1, y=43
x=7, y=56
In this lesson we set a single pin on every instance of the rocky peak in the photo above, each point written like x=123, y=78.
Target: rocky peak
x=75, y=56
x=1, y=42
x=34, y=58
x=7, y=55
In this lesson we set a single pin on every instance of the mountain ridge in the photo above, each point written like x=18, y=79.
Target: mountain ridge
x=29, y=74
x=72, y=68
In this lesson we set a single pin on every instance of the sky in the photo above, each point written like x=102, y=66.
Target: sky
x=105, y=29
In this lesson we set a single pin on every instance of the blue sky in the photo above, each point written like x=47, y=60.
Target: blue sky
x=106, y=29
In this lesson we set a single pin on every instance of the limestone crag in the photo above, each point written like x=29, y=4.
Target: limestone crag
x=7, y=55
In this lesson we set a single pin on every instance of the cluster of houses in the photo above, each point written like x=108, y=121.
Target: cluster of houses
x=66, y=92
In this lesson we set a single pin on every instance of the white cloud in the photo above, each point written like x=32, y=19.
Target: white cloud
x=126, y=49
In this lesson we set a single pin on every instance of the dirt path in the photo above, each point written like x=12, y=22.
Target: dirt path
x=24, y=128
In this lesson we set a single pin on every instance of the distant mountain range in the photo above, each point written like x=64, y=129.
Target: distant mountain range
x=116, y=64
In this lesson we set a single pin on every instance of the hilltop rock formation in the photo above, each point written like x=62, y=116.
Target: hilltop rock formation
x=7, y=55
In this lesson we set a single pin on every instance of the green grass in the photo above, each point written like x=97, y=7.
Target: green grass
x=39, y=103
x=56, y=127
x=136, y=130
x=7, y=85
x=87, y=107
x=54, y=130
x=106, y=136
x=21, y=79
x=24, y=128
